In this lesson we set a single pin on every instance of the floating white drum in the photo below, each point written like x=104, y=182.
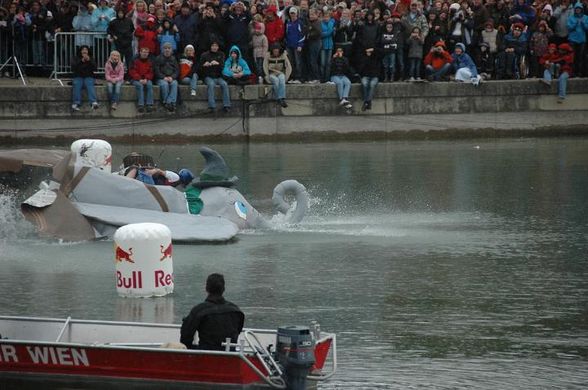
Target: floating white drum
x=143, y=259
x=93, y=153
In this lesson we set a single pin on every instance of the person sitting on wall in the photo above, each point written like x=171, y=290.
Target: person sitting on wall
x=167, y=70
x=83, y=70
x=141, y=74
x=437, y=62
x=215, y=319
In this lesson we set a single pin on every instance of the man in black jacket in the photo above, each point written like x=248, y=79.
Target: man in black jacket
x=120, y=32
x=215, y=319
x=210, y=69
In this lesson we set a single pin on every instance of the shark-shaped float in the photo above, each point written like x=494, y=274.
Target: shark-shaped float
x=84, y=201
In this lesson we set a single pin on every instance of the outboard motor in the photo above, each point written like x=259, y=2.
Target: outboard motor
x=295, y=352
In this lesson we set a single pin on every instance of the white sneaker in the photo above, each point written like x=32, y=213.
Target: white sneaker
x=296, y=82
x=260, y=80
x=411, y=79
x=314, y=82
x=331, y=82
x=193, y=92
x=95, y=106
x=75, y=107
x=343, y=102
x=419, y=79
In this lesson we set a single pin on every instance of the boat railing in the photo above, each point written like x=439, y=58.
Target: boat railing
x=250, y=343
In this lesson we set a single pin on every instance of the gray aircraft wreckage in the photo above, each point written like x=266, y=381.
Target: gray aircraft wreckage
x=83, y=200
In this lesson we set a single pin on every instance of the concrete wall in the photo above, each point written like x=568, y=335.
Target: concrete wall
x=314, y=108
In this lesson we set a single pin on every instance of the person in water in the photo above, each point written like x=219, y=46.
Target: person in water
x=215, y=319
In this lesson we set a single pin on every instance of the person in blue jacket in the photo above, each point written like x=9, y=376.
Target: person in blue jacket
x=577, y=28
x=102, y=16
x=465, y=68
x=327, y=32
x=523, y=12
x=513, y=49
x=236, y=69
x=168, y=33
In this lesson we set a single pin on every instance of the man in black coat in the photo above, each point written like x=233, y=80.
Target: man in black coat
x=215, y=319
x=186, y=22
x=120, y=32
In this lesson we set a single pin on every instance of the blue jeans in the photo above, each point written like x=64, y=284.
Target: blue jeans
x=436, y=74
x=278, y=85
x=168, y=91
x=414, y=69
x=314, y=49
x=343, y=86
x=38, y=52
x=295, y=57
x=83, y=82
x=114, y=91
x=389, y=62
x=562, y=81
x=210, y=83
x=140, y=88
x=259, y=66
x=326, y=64
x=369, y=87
x=192, y=81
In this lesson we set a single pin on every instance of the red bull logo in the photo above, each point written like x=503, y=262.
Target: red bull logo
x=120, y=254
x=167, y=252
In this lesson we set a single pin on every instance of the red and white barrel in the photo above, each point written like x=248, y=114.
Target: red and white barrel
x=95, y=153
x=143, y=260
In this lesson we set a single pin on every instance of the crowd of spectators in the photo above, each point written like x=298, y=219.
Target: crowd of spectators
x=306, y=41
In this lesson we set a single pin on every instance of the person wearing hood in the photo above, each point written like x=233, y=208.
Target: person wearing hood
x=168, y=33
x=437, y=62
x=236, y=69
x=562, y=62
x=277, y=67
x=120, y=33
x=274, y=25
x=211, y=67
x=186, y=22
x=82, y=22
x=259, y=45
x=538, y=47
x=102, y=16
x=166, y=71
x=148, y=36
x=465, y=68
x=577, y=28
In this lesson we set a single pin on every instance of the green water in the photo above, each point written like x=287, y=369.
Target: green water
x=440, y=265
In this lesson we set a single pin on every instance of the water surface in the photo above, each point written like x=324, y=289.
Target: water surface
x=440, y=265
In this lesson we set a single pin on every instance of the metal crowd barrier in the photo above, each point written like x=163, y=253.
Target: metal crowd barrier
x=66, y=48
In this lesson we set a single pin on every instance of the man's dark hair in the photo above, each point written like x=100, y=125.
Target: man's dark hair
x=215, y=284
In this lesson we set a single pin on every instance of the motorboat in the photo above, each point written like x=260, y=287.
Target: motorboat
x=52, y=353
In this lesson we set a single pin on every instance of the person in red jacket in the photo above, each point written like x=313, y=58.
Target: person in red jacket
x=148, y=36
x=274, y=26
x=561, y=62
x=437, y=62
x=141, y=74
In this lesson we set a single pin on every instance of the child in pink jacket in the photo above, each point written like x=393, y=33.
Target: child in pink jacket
x=114, y=73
